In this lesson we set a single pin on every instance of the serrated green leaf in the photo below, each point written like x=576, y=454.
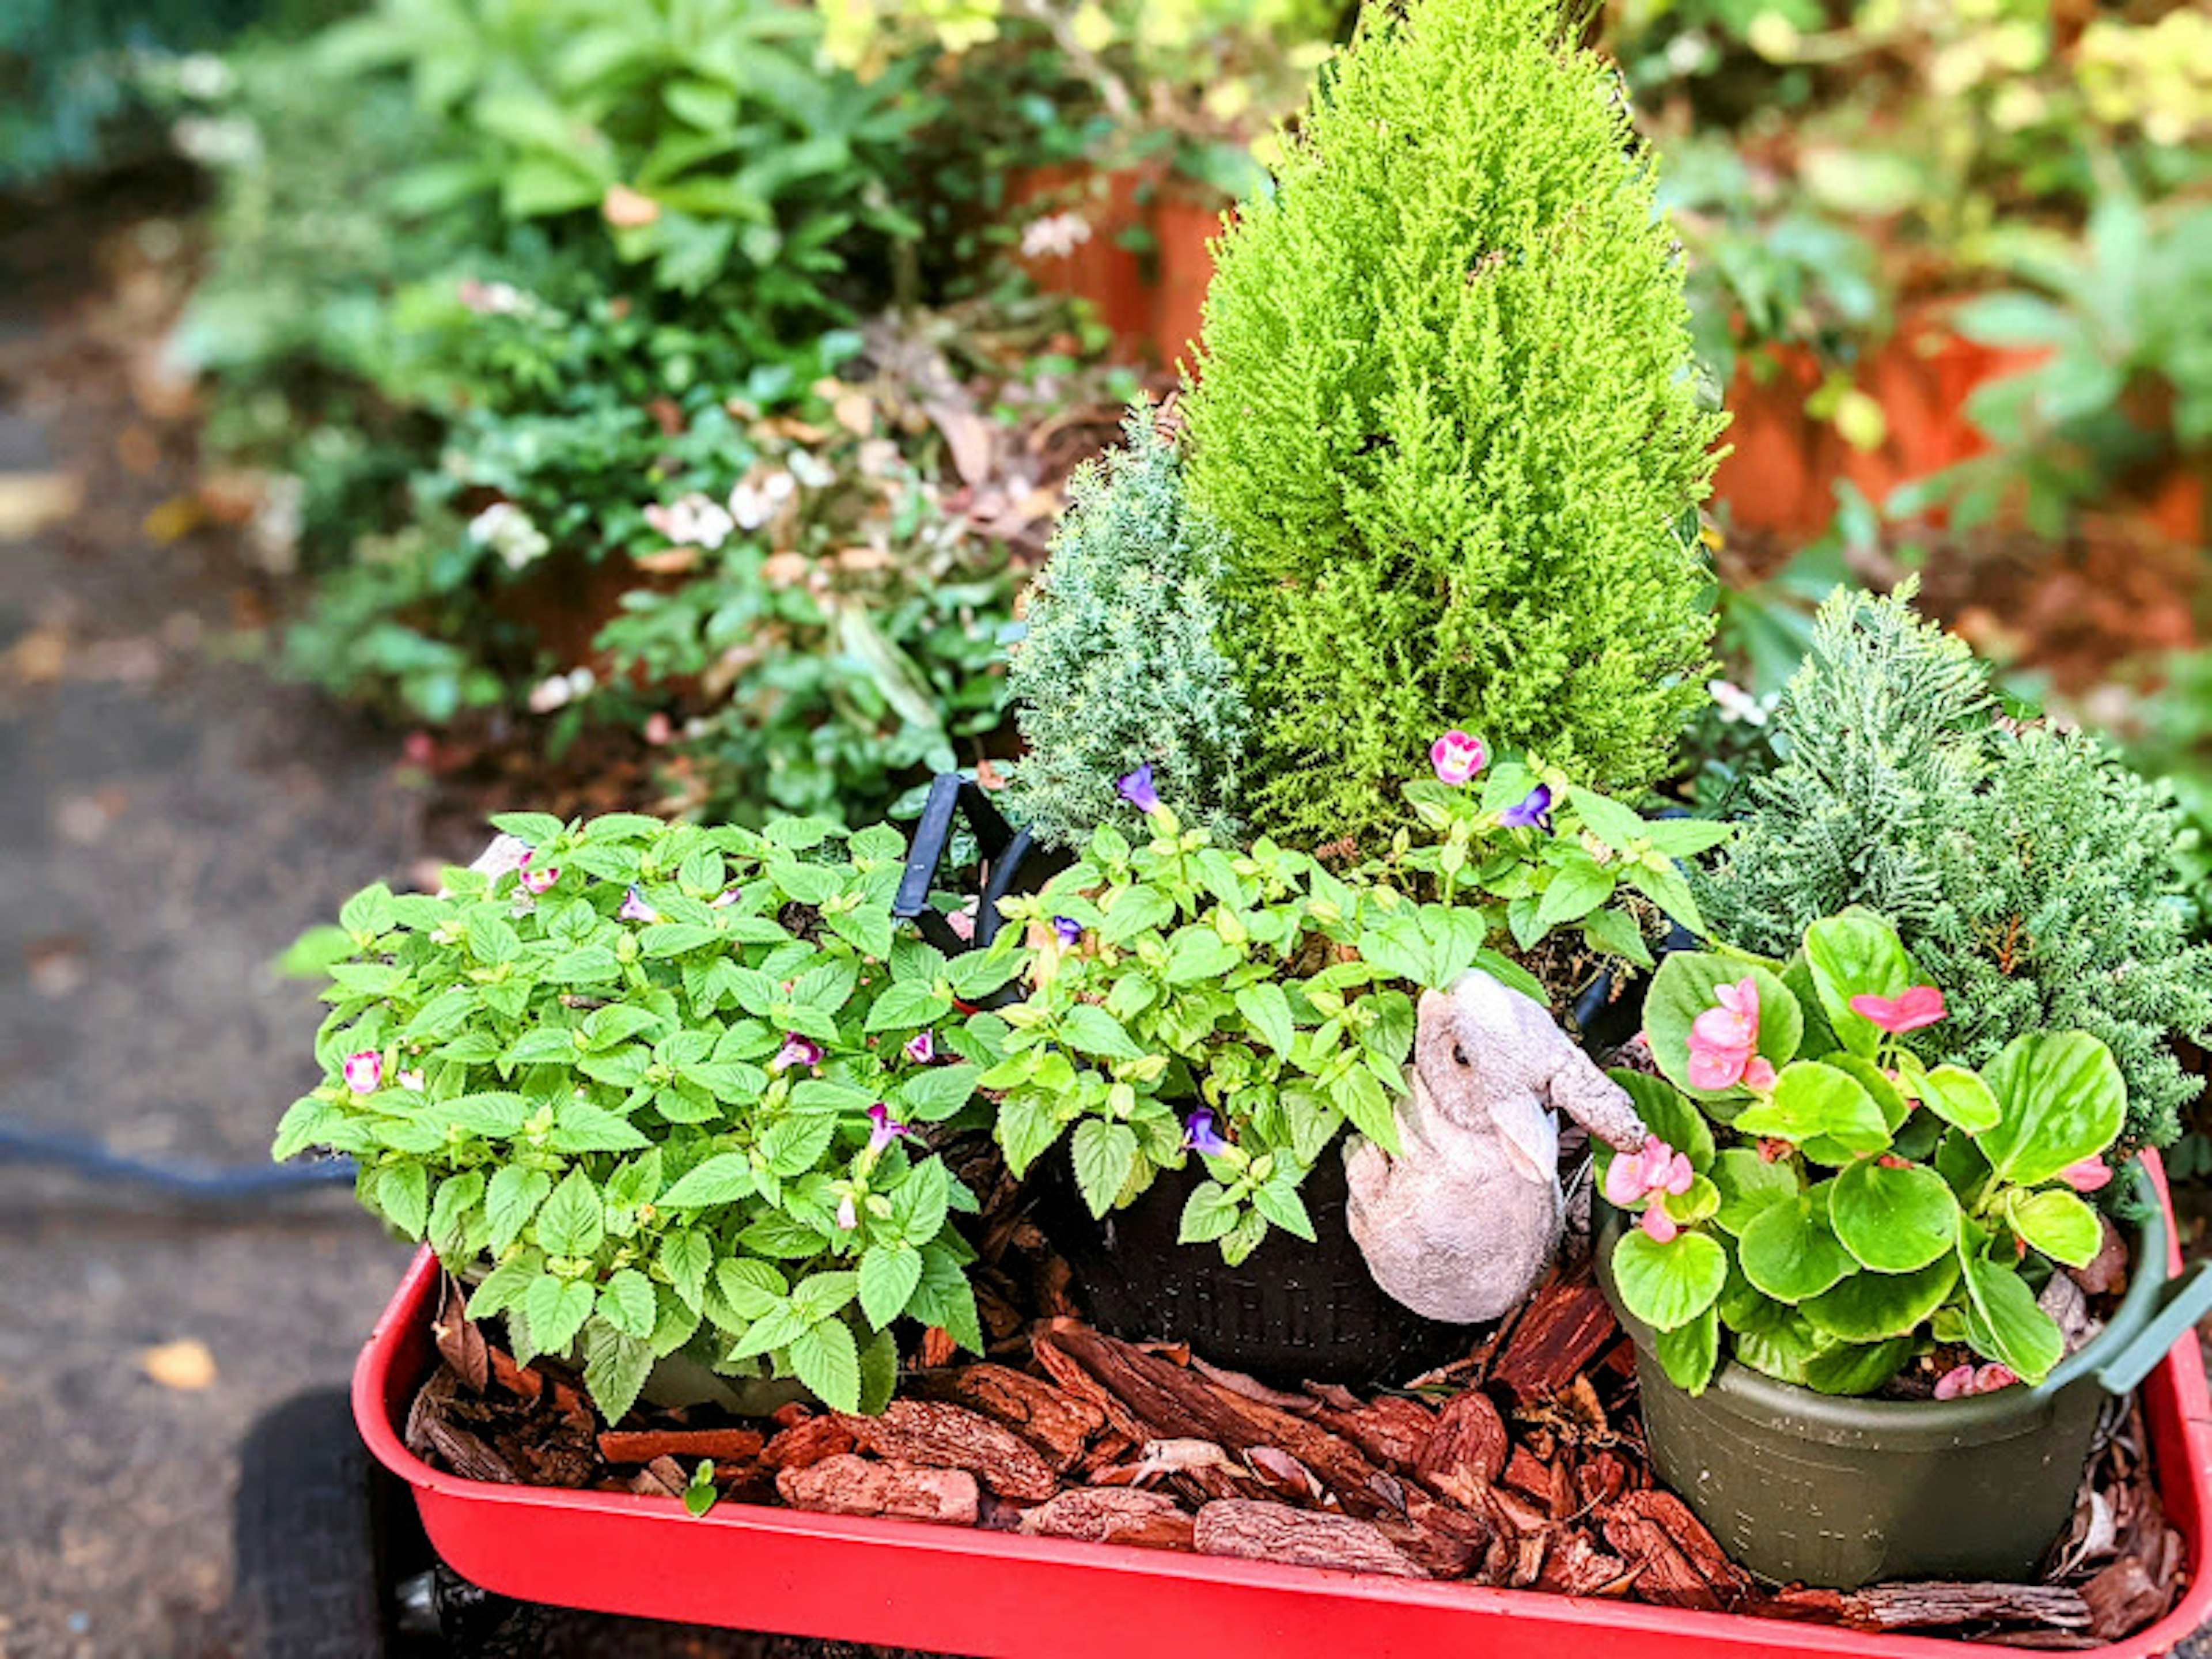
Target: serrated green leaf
x=626, y=1303
x=572, y=1221
x=724, y=1178
x=1105, y=1155
x=889, y=1274
x=827, y=1360
x=556, y=1310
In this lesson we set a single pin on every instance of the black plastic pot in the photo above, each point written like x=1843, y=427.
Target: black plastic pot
x=1290, y=1312
x=1820, y=1489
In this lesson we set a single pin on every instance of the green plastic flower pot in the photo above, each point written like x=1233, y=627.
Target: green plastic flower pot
x=1803, y=1487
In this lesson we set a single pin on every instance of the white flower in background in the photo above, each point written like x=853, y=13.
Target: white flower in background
x=204, y=75
x=694, y=521
x=273, y=531
x=491, y=299
x=559, y=691
x=217, y=141
x=1054, y=236
x=507, y=530
x=753, y=505
x=811, y=471
x=1738, y=706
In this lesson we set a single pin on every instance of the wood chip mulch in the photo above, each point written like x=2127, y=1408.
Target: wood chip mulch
x=1522, y=1465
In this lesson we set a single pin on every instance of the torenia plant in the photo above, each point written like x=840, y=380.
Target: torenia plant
x=1246, y=1006
x=665, y=1082
x=1832, y=1202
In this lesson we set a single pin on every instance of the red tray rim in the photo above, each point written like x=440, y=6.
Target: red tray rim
x=2182, y=1371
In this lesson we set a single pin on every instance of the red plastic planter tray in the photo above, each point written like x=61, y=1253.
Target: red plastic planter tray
x=961, y=1591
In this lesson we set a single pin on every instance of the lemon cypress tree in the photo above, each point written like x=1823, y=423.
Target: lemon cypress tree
x=1446, y=408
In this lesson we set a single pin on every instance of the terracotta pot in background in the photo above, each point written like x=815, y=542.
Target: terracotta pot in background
x=1152, y=301
x=1781, y=476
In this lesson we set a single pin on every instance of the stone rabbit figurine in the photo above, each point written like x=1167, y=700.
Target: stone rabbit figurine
x=1462, y=1226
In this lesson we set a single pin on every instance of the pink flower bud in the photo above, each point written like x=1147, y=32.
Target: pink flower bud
x=1908, y=1011
x=364, y=1071
x=1657, y=1225
x=848, y=1213
x=2088, y=1175
x=1955, y=1383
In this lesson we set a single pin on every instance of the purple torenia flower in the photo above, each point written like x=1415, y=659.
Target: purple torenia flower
x=1070, y=932
x=1533, y=813
x=1137, y=789
x=921, y=1048
x=364, y=1071
x=1200, y=1136
x=887, y=1128
x=1457, y=757
x=797, y=1050
x=634, y=908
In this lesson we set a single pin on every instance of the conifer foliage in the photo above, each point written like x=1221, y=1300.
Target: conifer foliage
x=1121, y=667
x=1445, y=409
x=2028, y=874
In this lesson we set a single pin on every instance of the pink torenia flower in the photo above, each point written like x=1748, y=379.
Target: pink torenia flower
x=410, y=1080
x=538, y=879
x=921, y=1048
x=1964, y=1380
x=797, y=1050
x=364, y=1071
x=1654, y=1167
x=2087, y=1177
x=1908, y=1011
x=634, y=908
x=1457, y=757
x=887, y=1128
x=1724, y=1040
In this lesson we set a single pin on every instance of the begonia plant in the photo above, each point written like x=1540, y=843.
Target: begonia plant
x=1831, y=1202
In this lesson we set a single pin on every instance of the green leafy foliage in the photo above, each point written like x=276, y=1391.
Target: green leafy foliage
x=636, y=1078
x=1278, y=997
x=1443, y=409
x=710, y=136
x=1121, y=665
x=1851, y=1234
x=2026, y=870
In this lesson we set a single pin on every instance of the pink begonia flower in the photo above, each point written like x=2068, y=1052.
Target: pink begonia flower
x=1724, y=1039
x=797, y=1050
x=364, y=1071
x=848, y=1213
x=411, y=1080
x=1655, y=1168
x=1658, y=1226
x=921, y=1048
x=1908, y=1011
x=2088, y=1175
x=538, y=880
x=1759, y=1073
x=1457, y=757
x=1964, y=1380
